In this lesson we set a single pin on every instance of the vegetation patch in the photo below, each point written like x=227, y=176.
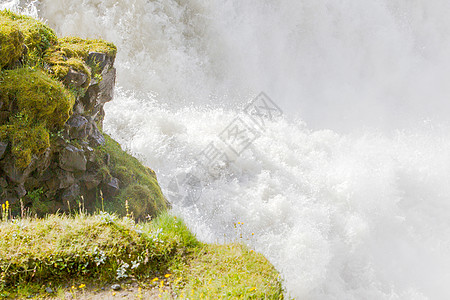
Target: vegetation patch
x=139, y=186
x=11, y=42
x=163, y=255
x=72, y=52
x=38, y=109
x=37, y=37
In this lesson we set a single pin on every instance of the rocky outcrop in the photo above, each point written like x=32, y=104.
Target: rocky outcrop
x=55, y=157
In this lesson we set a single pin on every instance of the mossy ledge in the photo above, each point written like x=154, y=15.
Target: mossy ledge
x=63, y=257
x=54, y=156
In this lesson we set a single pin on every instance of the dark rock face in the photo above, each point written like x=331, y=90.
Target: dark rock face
x=75, y=78
x=72, y=159
x=3, y=147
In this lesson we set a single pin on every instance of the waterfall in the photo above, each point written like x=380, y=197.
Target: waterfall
x=347, y=190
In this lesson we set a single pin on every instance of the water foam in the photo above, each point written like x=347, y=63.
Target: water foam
x=355, y=215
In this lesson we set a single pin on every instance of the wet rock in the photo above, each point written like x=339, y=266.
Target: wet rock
x=101, y=92
x=71, y=193
x=72, y=159
x=21, y=191
x=96, y=138
x=3, y=146
x=106, y=86
x=90, y=181
x=116, y=287
x=75, y=78
x=101, y=60
x=111, y=188
x=78, y=127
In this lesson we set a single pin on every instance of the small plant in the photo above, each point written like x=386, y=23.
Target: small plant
x=5, y=211
x=122, y=270
x=100, y=257
x=107, y=218
x=35, y=195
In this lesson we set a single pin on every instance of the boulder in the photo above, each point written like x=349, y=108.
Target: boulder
x=78, y=127
x=75, y=78
x=72, y=159
x=71, y=193
x=90, y=181
x=96, y=138
x=111, y=188
x=3, y=146
x=65, y=179
x=13, y=172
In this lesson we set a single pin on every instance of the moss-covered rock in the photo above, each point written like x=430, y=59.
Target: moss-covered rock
x=11, y=42
x=37, y=106
x=52, y=94
x=37, y=37
x=38, y=96
x=73, y=53
x=139, y=186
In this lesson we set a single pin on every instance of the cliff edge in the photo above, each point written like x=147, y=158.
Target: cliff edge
x=54, y=156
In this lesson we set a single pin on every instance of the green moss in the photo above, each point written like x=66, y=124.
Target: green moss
x=42, y=98
x=138, y=183
x=72, y=52
x=124, y=175
x=78, y=47
x=38, y=37
x=26, y=139
x=41, y=105
x=11, y=42
x=140, y=200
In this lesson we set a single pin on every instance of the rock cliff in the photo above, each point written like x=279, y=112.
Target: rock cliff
x=53, y=153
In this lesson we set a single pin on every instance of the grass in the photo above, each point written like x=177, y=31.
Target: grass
x=68, y=252
x=140, y=188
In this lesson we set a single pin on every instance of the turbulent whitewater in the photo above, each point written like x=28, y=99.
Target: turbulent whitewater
x=348, y=194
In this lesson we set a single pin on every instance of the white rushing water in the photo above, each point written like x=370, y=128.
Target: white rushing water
x=348, y=194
